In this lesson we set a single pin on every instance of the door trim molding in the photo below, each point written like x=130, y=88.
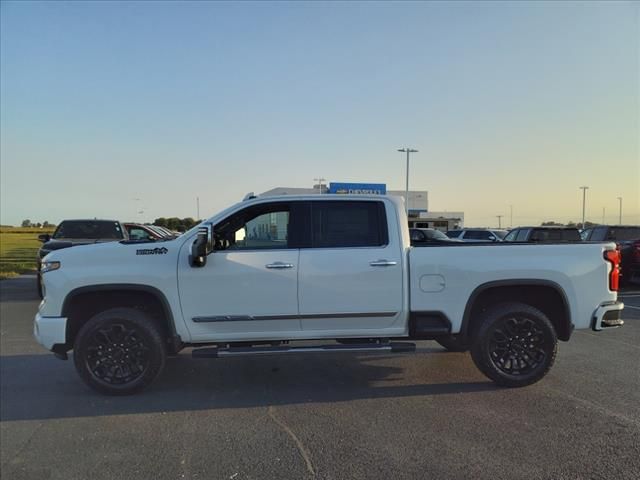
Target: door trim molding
x=313, y=316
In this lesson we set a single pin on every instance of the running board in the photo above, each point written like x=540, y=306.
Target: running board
x=393, y=347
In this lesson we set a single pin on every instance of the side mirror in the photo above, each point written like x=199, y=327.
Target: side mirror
x=202, y=246
x=44, y=237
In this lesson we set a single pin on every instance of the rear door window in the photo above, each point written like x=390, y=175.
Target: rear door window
x=342, y=224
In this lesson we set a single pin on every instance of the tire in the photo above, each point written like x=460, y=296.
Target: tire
x=119, y=351
x=454, y=343
x=515, y=345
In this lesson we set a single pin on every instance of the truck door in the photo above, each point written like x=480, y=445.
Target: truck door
x=351, y=278
x=249, y=283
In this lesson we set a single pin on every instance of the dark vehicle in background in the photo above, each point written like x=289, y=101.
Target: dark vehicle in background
x=164, y=231
x=136, y=231
x=627, y=237
x=477, y=234
x=429, y=236
x=543, y=234
x=70, y=233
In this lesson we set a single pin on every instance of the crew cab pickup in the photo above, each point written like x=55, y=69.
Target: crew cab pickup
x=268, y=272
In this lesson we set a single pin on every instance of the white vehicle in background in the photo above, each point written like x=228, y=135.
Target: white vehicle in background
x=478, y=234
x=267, y=272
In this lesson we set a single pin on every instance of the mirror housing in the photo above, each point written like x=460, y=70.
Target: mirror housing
x=202, y=246
x=44, y=237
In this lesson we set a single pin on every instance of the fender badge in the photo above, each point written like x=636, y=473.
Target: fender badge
x=152, y=251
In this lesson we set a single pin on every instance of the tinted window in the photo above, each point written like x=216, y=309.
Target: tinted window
x=623, y=233
x=477, y=235
x=555, y=235
x=499, y=233
x=453, y=233
x=522, y=235
x=89, y=229
x=511, y=236
x=349, y=224
x=417, y=235
x=436, y=235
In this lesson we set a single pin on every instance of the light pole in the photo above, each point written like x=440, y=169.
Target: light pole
x=499, y=220
x=320, y=180
x=620, y=211
x=584, y=198
x=408, y=151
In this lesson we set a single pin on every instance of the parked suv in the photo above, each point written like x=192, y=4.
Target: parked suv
x=627, y=237
x=477, y=235
x=543, y=234
x=70, y=233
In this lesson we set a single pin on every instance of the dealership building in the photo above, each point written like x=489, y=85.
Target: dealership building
x=419, y=214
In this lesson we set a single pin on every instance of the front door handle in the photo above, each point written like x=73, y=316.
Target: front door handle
x=279, y=265
x=383, y=263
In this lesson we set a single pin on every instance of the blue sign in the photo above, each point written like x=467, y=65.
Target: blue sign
x=358, y=188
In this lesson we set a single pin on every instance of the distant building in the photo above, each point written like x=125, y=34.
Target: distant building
x=419, y=214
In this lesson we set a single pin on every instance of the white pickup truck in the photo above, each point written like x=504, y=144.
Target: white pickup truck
x=268, y=272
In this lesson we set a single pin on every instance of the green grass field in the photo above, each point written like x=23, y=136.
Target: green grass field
x=18, y=250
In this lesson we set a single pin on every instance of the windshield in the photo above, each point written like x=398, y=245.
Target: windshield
x=91, y=229
x=435, y=235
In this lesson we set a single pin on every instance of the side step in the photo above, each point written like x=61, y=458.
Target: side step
x=391, y=347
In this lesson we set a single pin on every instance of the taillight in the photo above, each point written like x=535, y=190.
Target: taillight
x=613, y=257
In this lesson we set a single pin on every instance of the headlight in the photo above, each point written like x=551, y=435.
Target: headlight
x=49, y=266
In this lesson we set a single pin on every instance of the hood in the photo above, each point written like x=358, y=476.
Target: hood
x=52, y=245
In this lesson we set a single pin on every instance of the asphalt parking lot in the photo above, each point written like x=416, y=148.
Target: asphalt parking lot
x=428, y=415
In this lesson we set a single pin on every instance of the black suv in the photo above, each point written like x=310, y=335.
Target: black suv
x=627, y=237
x=543, y=234
x=70, y=233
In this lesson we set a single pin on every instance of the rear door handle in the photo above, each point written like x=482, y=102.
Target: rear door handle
x=383, y=263
x=279, y=265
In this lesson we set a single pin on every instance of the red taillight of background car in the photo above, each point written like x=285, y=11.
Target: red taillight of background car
x=613, y=257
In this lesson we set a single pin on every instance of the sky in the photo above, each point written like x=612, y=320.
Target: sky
x=108, y=109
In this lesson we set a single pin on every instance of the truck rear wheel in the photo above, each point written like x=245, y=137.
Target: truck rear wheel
x=515, y=345
x=454, y=343
x=119, y=351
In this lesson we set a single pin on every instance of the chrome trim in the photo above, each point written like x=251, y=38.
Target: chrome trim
x=383, y=263
x=314, y=316
x=279, y=265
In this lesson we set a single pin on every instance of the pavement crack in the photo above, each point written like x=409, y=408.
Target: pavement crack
x=294, y=437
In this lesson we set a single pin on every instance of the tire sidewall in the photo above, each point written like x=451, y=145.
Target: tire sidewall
x=481, y=353
x=144, y=326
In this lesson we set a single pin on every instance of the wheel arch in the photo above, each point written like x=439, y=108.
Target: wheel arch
x=82, y=303
x=546, y=295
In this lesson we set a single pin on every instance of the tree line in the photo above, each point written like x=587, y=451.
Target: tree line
x=176, y=224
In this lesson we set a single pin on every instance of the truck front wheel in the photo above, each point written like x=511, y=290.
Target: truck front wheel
x=119, y=351
x=515, y=345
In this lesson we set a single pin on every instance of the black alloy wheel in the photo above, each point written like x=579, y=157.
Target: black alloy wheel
x=117, y=354
x=119, y=351
x=515, y=345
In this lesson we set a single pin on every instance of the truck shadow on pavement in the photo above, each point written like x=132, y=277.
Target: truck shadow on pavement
x=38, y=387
